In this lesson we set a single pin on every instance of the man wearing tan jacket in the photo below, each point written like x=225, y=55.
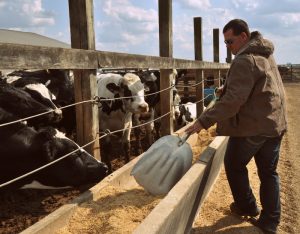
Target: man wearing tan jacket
x=252, y=111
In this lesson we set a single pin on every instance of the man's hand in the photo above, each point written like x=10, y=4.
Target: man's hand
x=194, y=128
x=219, y=91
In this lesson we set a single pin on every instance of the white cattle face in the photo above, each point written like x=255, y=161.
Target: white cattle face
x=132, y=87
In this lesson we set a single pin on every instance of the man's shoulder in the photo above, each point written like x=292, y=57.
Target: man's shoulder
x=244, y=59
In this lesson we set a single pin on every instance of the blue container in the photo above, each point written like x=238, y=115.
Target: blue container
x=209, y=95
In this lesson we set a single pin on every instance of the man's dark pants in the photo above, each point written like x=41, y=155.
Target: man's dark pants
x=265, y=150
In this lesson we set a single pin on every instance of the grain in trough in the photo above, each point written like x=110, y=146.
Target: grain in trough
x=168, y=214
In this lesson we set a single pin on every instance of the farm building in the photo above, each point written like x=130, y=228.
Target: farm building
x=29, y=38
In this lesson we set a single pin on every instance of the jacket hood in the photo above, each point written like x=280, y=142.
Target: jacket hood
x=258, y=45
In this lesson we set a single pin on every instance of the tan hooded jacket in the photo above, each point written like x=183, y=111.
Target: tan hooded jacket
x=253, y=98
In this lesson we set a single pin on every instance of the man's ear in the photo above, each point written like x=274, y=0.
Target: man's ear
x=244, y=36
x=112, y=87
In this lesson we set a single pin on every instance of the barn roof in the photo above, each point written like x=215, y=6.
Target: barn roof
x=29, y=38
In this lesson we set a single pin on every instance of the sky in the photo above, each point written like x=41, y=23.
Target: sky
x=131, y=26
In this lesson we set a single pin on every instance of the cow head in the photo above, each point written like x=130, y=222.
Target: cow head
x=60, y=83
x=43, y=95
x=129, y=87
x=76, y=169
x=62, y=86
x=151, y=86
x=22, y=104
x=132, y=88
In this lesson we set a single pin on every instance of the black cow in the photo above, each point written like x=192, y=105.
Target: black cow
x=61, y=87
x=22, y=105
x=23, y=149
x=56, y=80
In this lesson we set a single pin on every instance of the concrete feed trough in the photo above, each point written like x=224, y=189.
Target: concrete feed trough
x=173, y=214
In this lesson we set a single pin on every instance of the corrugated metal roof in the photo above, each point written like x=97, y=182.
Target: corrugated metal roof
x=29, y=38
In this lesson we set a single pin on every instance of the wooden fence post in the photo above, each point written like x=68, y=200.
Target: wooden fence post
x=216, y=45
x=217, y=78
x=199, y=77
x=83, y=37
x=165, y=50
x=216, y=56
x=229, y=56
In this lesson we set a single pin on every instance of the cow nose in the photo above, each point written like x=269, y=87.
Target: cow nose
x=144, y=107
x=57, y=115
x=58, y=111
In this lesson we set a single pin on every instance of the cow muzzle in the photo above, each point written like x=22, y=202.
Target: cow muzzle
x=143, y=108
x=57, y=115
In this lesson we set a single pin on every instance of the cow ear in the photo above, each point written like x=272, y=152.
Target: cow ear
x=44, y=135
x=50, y=132
x=44, y=140
x=112, y=87
x=48, y=151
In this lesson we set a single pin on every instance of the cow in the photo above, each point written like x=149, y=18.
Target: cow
x=39, y=92
x=151, y=84
x=22, y=105
x=187, y=114
x=117, y=114
x=151, y=81
x=60, y=86
x=24, y=149
x=58, y=82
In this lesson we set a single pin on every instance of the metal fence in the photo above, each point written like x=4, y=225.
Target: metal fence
x=290, y=72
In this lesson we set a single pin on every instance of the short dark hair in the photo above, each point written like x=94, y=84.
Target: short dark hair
x=238, y=26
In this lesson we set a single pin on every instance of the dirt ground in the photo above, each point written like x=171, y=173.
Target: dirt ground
x=215, y=216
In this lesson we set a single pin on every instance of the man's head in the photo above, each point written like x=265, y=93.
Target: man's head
x=236, y=35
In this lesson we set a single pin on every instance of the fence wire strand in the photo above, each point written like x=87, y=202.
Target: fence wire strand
x=97, y=138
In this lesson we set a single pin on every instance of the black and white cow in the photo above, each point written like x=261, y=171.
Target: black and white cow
x=22, y=105
x=117, y=114
x=24, y=149
x=151, y=81
x=60, y=89
x=57, y=81
x=188, y=113
x=151, y=84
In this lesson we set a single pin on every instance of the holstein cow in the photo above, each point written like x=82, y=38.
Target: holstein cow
x=58, y=83
x=188, y=113
x=40, y=93
x=56, y=80
x=151, y=81
x=152, y=98
x=22, y=105
x=117, y=114
x=23, y=149
x=61, y=83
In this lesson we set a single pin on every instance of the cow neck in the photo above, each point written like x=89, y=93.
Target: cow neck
x=9, y=131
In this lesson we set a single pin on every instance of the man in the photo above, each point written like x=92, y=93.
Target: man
x=251, y=110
